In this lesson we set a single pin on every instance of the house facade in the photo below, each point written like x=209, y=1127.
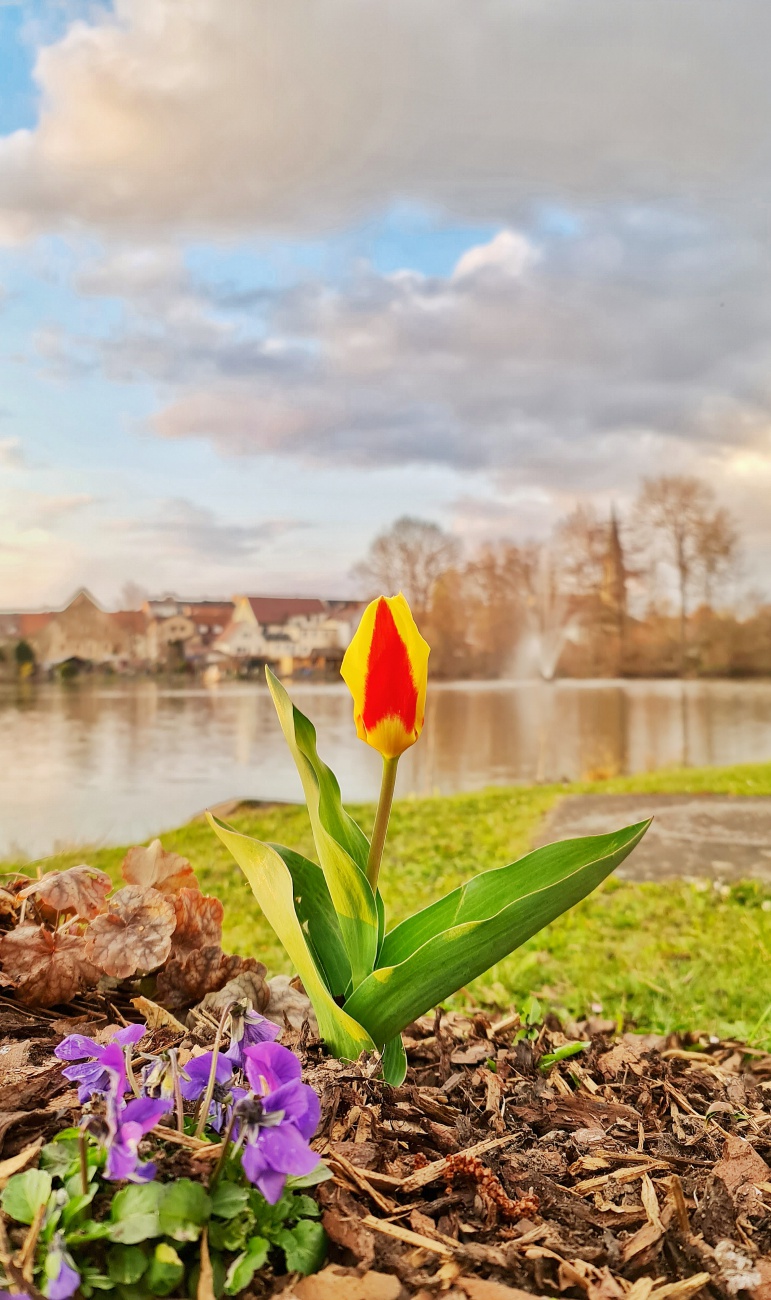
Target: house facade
x=292, y=634
x=81, y=631
x=289, y=633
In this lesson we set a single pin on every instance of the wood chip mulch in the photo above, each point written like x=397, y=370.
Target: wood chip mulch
x=638, y=1168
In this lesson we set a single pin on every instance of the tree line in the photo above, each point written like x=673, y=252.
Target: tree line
x=650, y=594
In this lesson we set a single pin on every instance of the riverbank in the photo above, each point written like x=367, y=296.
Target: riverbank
x=671, y=956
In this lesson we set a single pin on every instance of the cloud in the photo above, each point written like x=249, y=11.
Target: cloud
x=508, y=254
x=636, y=343
x=49, y=511
x=11, y=453
x=183, y=529
x=219, y=118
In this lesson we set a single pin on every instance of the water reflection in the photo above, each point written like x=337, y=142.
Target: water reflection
x=86, y=763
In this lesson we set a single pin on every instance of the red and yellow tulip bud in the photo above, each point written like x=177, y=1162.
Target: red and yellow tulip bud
x=386, y=669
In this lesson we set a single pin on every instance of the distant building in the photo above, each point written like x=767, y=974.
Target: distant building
x=31, y=625
x=10, y=633
x=82, y=631
x=186, y=629
x=613, y=592
x=290, y=633
x=209, y=618
x=139, y=637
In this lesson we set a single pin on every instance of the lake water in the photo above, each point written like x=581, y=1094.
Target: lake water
x=89, y=763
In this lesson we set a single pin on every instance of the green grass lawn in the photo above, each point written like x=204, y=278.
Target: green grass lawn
x=669, y=956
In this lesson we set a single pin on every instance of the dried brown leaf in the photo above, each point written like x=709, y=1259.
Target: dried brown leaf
x=46, y=967
x=14, y=881
x=288, y=1004
x=199, y=921
x=205, y=1288
x=134, y=934
x=338, y=1284
x=153, y=868
x=346, y=1230
x=81, y=890
x=477, y=1288
x=187, y=979
x=155, y=1016
x=10, y=889
x=248, y=985
x=8, y=902
x=14, y=1164
x=740, y=1165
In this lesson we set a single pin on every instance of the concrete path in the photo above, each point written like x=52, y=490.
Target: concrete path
x=710, y=836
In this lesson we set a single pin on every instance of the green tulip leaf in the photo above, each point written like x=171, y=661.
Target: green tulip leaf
x=439, y=950
x=394, y=1062
x=300, y=734
x=273, y=887
x=341, y=845
x=318, y=919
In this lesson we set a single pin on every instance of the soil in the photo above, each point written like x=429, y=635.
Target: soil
x=637, y=1168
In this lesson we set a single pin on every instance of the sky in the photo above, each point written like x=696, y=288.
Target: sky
x=276, y=272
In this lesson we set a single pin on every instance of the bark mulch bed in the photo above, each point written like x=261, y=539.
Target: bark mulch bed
x=636, y=1168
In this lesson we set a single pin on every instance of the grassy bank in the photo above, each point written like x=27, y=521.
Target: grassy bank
x=670, y=956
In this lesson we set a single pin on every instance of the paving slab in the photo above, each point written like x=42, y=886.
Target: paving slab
x=702, y=836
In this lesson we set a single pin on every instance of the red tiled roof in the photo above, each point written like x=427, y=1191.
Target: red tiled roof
x=277, y=609
x=29, y=624
x=210, y=611
x=132, y=620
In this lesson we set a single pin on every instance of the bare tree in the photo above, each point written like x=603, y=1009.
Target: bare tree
x=718, y=547
x=581, y=545
x=678, y=519
x=409, y=557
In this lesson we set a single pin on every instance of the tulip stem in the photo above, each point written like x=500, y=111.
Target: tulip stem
x=380, y=829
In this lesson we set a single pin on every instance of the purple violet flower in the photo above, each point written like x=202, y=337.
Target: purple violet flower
x=92, y=1076
x=194, y=1079
x=127, y=1126
x=277, y=1122
x=63, y=1277
x=247, y=1029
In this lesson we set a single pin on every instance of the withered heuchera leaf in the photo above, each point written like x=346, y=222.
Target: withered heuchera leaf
x=133, y=934
x=44, y=966
x=199, y=921
x=186, y=980
x=247, y=985
x=81, y=890
x=11, y=886
x=9, y=903
x=154, y=868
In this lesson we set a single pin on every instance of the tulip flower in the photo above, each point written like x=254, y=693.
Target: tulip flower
x=386, y=670
x=367, y=981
